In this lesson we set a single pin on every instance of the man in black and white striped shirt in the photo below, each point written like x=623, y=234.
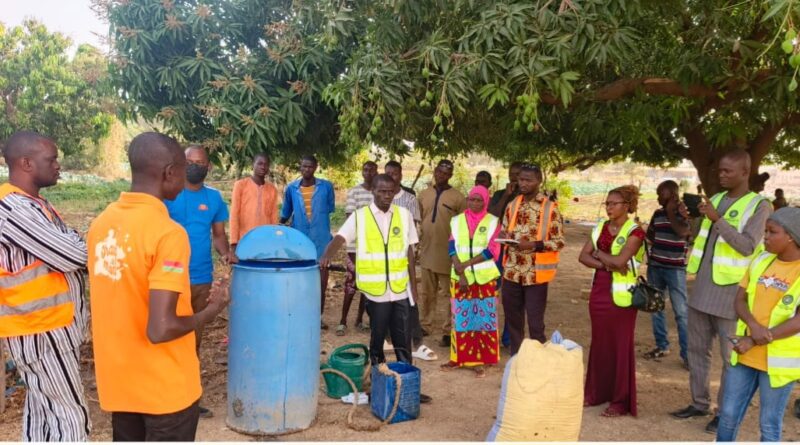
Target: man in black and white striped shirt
x=39, y=254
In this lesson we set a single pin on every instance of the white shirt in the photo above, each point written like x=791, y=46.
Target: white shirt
x=384, y=220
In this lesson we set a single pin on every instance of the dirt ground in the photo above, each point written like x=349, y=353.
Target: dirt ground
x=463, y=408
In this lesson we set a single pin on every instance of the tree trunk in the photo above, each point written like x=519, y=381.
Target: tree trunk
x=708, y=173
x=703, y=158
x=709, y=176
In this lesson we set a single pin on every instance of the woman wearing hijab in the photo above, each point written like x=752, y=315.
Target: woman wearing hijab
x=473, y=339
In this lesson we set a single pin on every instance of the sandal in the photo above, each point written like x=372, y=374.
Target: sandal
x=363, y=327
x=449, y=366
x=425, y=353
x=656, y=353
x=340, y=330
x=480, y=372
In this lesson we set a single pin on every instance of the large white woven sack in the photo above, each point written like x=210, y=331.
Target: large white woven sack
x=542, y=394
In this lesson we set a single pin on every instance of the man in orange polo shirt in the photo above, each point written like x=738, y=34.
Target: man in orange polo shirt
x=148, y=373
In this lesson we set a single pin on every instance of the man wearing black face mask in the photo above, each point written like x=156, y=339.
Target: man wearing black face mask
x=201, y=210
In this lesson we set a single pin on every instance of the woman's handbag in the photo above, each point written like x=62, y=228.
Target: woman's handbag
x=646, y=298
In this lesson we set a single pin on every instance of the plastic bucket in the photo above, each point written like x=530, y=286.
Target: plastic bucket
x=384, y=388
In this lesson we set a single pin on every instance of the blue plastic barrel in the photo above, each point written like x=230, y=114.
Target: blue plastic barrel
x=274, y=333
x=384, y=388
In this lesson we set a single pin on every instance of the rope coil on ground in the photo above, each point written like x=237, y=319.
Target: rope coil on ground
x=383, y=369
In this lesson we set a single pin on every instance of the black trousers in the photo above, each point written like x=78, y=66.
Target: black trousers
x=391, y=317
x=174, y=427
x=414, y=327
x=518, y=301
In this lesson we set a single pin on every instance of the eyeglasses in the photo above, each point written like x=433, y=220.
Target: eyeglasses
x=613, y=203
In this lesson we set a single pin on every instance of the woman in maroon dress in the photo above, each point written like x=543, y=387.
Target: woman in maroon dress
x=611, y=372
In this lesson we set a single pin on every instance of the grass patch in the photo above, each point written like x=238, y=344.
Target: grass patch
x=82, y=197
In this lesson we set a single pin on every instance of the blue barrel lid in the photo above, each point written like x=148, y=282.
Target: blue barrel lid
x=269, y=243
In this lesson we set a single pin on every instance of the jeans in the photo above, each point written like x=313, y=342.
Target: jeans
x=673, y=281
x=741, y=383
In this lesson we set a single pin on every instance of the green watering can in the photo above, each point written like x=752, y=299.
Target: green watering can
x=350, y=360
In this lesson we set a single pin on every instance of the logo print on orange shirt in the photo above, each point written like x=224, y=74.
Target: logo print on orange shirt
x=109, y=257
x=172, y=266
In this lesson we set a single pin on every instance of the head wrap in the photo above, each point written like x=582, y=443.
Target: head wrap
x=474, y=218
x=789, y=219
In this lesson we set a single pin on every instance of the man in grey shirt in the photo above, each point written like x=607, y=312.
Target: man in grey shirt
x=711, y=305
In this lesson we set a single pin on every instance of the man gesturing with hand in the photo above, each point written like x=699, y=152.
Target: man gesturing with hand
x=143, y=325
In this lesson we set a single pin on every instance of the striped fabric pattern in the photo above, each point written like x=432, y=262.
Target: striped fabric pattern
x=357, y=197
x=55, y=408
x=668, y=249
x=409, y=202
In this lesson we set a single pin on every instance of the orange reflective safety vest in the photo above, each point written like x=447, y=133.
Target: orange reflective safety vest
x=544, y=263
x=35, y=298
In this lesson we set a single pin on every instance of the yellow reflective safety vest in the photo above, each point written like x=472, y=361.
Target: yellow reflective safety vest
x=466, y=248
x=621, y=284
x=783, y=355
x=727, y=266
x=34, y=299
x=380, y=261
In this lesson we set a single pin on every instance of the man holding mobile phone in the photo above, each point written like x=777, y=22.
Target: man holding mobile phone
x=730, y=237
x=667, y=234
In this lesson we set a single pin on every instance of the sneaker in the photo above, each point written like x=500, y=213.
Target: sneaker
x=711, y=428
x=656, y=353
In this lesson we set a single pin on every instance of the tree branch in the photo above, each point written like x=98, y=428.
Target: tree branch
x=762, y=143
x=581, y=163
x=715, y=96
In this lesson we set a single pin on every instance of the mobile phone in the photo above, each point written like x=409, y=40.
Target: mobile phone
x=692, y=203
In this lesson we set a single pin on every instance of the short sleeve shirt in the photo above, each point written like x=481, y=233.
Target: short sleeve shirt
x=348, y=231
x=134, y=247
x=197, y=211
x=357, y=197
x=772, y=286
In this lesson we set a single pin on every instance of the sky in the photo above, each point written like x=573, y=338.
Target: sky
x=72, y=18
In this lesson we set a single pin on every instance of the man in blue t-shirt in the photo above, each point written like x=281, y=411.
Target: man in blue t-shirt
x=202, y=212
